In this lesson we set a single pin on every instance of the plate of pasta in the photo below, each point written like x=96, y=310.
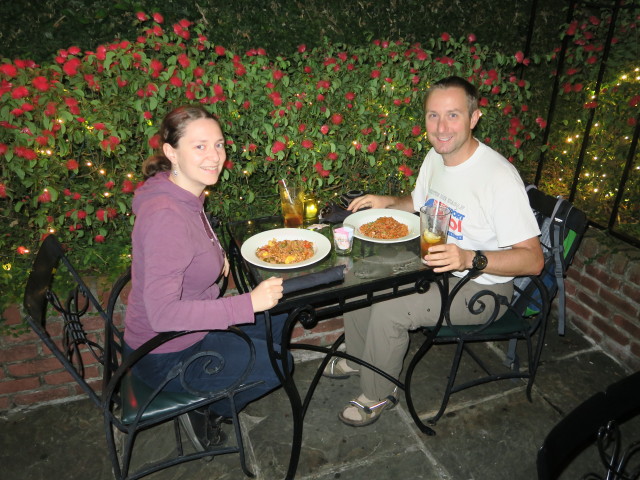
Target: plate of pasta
x=384, y=225
x=284, y=248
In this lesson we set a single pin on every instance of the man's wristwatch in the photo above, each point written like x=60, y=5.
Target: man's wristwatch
x=479, y=261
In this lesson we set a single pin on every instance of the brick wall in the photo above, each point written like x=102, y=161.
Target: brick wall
x=603, y=301
x=603, y=296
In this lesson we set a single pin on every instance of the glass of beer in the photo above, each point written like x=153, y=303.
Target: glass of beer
x=292, y=202
x=434, y=225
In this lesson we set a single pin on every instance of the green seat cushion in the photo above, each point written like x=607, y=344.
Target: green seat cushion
x=507, y=323
x=135, y=393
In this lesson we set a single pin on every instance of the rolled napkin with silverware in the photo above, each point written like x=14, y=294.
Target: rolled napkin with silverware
x=311, y=280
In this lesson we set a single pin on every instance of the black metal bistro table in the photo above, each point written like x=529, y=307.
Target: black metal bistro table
x=373, y=272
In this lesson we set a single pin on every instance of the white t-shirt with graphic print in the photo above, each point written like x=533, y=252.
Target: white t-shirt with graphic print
x=489, y=204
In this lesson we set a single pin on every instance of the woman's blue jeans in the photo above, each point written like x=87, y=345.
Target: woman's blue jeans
x=153, y=368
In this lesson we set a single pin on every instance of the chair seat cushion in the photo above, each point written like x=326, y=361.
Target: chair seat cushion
x=136, y=393
x=507, y=324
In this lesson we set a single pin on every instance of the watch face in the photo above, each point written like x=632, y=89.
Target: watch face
x=479, y=261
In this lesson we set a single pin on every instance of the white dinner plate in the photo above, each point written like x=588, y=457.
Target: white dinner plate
x=321, y=246
x=356, y=220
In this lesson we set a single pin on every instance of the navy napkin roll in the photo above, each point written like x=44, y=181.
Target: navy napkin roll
x=304, y=282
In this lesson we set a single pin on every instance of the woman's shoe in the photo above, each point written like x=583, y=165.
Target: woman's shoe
x=366, y=411
x=203, y=429
x=338, y=369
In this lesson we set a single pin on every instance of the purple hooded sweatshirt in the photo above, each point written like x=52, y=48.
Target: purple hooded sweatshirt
x=174, y=270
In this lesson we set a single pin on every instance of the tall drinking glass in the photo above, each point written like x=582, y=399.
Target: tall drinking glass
x=434, y=226
x=292, y=202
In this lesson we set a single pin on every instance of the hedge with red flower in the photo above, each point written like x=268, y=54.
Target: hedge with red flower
x=73, y=133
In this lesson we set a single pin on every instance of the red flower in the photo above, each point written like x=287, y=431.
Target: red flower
x=350, y=96
x=158, y=18
x=141, y=16
x=302, y=127
x=573, y=26
x=519, y=56
x=302, y=48
x=99, y=238
x=121, y=83
x=3, y=148
x=147, y=115
x=406, y=171
x=592, y=59
x=71, y=66
x=483, y=102
x=81, y=214
x=72, y=164
x=375, y=74
x=183, y=60
x=372, y=147
x=127, y=187
x=9, y=70
x=307, y=144
x=26, y=153
x=336, y=119
x=408, y=152
x=109, y=185
x=635, y=100
x=101, y=215
x=416, y=130
x=154, y=142
x=278, y=146
x=20, y=92
x=277, y=75
x=332, y=156
x=321, y=171
x=276, y=98
x=445, y=37
x=324, y=129
x=3, y=190
x=22, y=250
x=591, y=104
x=44, y=197
x=471, y=38
x=253, y=147
x=323, y=84
x=41, y=83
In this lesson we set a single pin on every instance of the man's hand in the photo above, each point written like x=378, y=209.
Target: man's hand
x=523, y=258
x=381, y=201
x=449, y=257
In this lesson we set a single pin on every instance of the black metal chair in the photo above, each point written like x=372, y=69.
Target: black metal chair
x=525, y=318
x=74, y=308
x=128, y=405
x=596, y=421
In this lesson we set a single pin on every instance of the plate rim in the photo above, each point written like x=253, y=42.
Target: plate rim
x=321, y=242
x=384, y=212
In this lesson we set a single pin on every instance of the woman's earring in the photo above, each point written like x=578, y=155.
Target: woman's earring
x=175, y=173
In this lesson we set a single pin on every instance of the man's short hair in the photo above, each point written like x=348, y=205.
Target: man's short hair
x=456, y=82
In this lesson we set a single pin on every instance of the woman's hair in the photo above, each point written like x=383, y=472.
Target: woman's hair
x=171, y=131
x=470, y=91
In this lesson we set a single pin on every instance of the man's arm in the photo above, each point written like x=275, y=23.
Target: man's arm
x=524, y=258
x=382, y=201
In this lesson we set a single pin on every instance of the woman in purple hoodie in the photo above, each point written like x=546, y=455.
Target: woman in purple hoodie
x=177, y=261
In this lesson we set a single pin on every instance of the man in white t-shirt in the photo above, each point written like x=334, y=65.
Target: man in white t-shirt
x=492, y=228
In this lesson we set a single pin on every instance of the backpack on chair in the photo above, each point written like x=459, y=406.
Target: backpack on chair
x=562, y=227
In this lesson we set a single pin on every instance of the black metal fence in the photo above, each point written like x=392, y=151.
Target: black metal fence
x=597, y=168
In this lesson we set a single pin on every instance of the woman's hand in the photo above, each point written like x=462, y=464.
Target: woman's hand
x=266, y=294
x=225, y=269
